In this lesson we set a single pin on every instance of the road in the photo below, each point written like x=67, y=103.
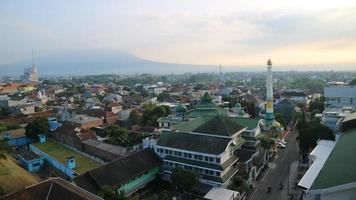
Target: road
x=278, y=172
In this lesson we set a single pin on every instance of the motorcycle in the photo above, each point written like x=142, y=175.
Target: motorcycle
x=269, y=190
x=280, y=186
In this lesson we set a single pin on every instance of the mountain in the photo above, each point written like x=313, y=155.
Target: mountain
x=99, y=61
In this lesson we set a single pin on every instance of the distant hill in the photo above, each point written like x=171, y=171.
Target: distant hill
x=86, y=62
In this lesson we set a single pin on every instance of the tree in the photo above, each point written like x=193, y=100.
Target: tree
x=118, y=135
x=310, y=134
x=317, y=104
x=239, y=184
x=4, y=111
x=184, y=179
x=108, y=193
x=280, y=118
x=135, y=118
x=37, y=126
x=267, y=143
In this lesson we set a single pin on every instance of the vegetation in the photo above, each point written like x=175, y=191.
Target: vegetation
x=13, y=177
x=36, y=127
x=267, y=143
x=280, y=118
x=310, y=133
x=114, y=194
x=6, y=127
x=239, y=184
x=317, y=106
x=118, y=135
x=60, y=153
x=184, y=179
x=4, y=111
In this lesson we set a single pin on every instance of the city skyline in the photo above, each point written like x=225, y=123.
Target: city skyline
x=231, y=33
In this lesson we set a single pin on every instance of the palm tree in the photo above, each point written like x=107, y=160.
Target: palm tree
x=267, y=143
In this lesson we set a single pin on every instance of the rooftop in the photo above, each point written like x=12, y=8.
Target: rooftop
x=60, y=153
x=119, y=171
x=54, y=189
x=339, y=168
x=194, y=142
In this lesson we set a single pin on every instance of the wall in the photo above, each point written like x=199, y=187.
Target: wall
x=54, y=163
x=140, y=182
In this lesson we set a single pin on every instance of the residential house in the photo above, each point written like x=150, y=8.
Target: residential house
x=128, y=173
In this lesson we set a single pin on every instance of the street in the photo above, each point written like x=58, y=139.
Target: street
x=278, y=172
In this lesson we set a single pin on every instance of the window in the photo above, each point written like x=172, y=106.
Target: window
x=196, y=157
x=166, y=151
x=217, y=160
x=217, y=173
x=189, y=155
x=211, y=172
x=211, y=159
x=185, y=155
x=206, y=158
x=206, y=171
x=200, y=157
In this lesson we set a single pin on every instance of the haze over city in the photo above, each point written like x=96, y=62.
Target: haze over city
x=298, y=35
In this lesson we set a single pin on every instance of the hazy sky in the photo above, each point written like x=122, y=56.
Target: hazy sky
x=236, y=32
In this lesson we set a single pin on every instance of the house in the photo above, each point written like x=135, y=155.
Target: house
x=15, y=137
x=85, y=122
x=103, y=150
x=128, y=173
x=54, y=189
x=72, y=135
x=31, y=161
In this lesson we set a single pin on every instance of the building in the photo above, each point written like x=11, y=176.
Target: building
x=85, y=122
x=31, y=161
x=336, y=177
x=72, y=135
x=206, y=145
x=54, y=189
x=102, y=150
x=340, y=94
x=296, y=96
x=128, y=173
x=333, y=115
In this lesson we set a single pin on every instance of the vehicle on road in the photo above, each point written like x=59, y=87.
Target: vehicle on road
x=269, y=190
x=281, y=145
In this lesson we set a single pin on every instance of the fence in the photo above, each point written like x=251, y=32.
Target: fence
x=53, y=162
x=81, y=152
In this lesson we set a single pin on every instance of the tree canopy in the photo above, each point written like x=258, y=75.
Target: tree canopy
x=36, y=127
x=184, y=179
x=118, y=135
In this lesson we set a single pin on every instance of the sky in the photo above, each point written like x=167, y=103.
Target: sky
x=303, y=33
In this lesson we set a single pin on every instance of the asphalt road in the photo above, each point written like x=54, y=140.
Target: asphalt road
x=278, y=172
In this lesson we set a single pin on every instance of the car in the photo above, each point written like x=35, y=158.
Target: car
x=281, y=145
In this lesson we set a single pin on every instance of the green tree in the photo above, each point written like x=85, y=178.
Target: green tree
x=4, y=111
x=118, y=135
x=108, y=193
x=37, y=126
x=267, y=143
x=317, y=104
x=239, y=184
x=311, y=133
x=280, y=118
x=135, y=118
x=184, y=179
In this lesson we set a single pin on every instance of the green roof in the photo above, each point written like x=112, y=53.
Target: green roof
x=189, y=126
x=192, y=142
x=339, y=168
x=60, y=153
x=219, y=125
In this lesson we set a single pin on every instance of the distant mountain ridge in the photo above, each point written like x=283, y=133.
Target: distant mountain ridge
x=87, y=62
